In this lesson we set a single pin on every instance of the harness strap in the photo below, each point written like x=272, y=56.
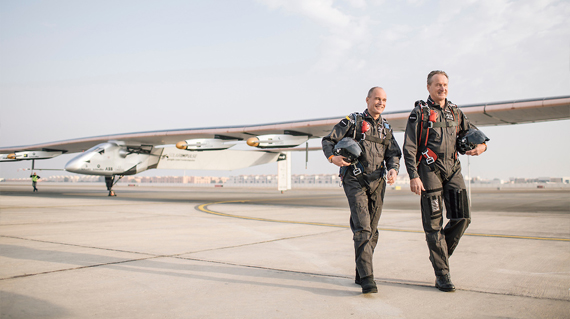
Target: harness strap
x=358, y=168
x=424, y=130
x=359, y=136
x=436, y=171
x=358, y=171
x=428, y=121
x=357, y=126
x=374, y=139
x=444, y=124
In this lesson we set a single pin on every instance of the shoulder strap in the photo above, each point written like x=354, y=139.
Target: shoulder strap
x=388, y=136
x=378, y=140
x=455, y=111
x=357, y=135
x=424, y=128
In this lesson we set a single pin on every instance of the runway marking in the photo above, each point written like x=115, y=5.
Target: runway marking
x=519, y=237
x=203, y=208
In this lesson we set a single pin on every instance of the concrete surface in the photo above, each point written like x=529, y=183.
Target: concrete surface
x=175, y=252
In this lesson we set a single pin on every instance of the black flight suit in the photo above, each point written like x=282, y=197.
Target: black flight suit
x=366, y=201
x=442, y=180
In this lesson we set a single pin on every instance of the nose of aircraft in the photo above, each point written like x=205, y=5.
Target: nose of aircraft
x=74, y=165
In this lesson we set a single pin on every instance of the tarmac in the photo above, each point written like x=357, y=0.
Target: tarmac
x=69, y=251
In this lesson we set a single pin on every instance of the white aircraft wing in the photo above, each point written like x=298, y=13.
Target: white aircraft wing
x=497, y=113
x=502, y=113
x=314, y=128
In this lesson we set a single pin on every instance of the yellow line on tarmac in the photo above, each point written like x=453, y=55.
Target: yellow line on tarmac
x=204, y=209
x=520, y=237
x=484, y=235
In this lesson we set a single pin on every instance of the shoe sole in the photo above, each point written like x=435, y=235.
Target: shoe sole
x=370, y=290
x=445, y=289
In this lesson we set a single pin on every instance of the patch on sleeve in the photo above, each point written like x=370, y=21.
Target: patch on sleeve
x=413, y=117
x=344, y=122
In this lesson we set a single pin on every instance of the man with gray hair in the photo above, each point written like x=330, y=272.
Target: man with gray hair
x=430, y=153
x=363, y=146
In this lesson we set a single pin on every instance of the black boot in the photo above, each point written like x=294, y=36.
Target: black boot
x=368, y=285
x=444, y=283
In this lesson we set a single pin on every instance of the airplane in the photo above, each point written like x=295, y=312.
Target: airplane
x=116, y=155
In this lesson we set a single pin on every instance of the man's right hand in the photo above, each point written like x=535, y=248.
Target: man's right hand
x=339, y=161
x=416, y=186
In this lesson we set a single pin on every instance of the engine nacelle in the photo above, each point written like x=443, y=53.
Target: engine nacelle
x=203, y=144
x=277, y=140
x=29, y=155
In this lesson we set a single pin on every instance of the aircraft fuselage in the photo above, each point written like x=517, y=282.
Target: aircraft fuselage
x=108, y=159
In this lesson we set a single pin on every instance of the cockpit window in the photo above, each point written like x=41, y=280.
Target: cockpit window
x=99, y=148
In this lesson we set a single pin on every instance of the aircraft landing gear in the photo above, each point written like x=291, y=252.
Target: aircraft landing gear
x=110, y=181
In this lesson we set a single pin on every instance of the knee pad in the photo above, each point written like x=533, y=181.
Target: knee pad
x=458, y=204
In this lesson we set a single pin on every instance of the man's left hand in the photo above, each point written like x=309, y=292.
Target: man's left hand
x=477, y=150
x=391, y=177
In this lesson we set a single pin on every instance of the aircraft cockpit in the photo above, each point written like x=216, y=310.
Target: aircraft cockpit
x=100, y=148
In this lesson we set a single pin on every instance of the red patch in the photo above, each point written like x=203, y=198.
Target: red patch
x=432, y=116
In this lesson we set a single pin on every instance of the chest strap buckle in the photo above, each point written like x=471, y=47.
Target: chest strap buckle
x=430, y=156
x=357, y=171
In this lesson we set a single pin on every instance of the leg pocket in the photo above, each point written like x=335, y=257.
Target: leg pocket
x=431, y=212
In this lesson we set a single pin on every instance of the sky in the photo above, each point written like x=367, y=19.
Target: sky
x=71, y=69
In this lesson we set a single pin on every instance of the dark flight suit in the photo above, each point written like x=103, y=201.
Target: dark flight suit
x=365, y=201
x=442, y=180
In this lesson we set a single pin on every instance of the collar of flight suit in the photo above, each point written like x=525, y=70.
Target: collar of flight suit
x=432, y=103
x=367, y=115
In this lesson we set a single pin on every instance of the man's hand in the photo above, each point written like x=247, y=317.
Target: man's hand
x=391, y=177
x=416, y=185
x=477, y=150
x=339, y=161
